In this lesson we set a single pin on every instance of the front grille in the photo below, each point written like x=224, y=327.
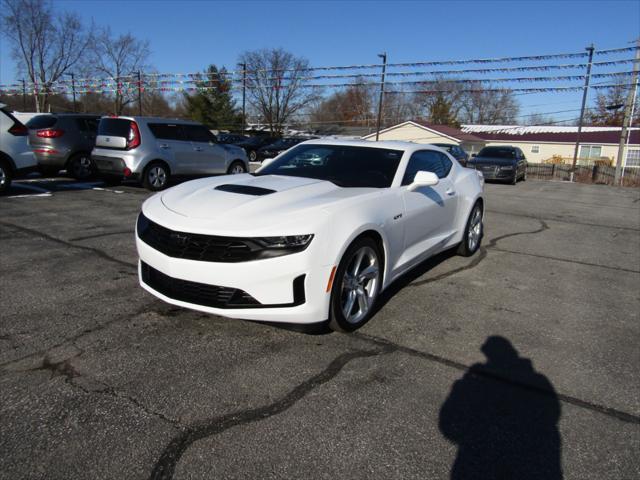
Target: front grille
x=206, y=248
x=193, y=246
x=211, y=295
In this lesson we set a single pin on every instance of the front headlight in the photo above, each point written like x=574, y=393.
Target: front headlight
x=291, y=241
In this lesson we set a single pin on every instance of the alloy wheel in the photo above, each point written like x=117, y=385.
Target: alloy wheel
x=236, y=169
x=3, y=177
x=157, y=176
x=360, y=284
x=82, y=167
x=475, y=229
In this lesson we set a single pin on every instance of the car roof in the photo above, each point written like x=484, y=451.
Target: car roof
x=153, y=119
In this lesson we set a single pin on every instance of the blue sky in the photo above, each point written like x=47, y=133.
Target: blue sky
x=187, y=35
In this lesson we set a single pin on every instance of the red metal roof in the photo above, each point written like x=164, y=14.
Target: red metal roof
x=451, y=132
x=612, y=137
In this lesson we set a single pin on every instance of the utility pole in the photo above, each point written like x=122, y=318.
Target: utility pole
x=73, y=90
x=628, y=112
x=139, y=93
x=383, y=56
x=585, y=92
x=24, y=95
x=244, y=96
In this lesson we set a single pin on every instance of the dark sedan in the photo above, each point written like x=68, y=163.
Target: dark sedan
x=276, y=148
x=507, y=164
x=455, y=151
x=252, y=144
x=231, y=138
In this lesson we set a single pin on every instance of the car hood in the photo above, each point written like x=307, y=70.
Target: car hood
x=492, y=161
x=255, y=201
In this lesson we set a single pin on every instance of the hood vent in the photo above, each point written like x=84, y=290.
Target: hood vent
x=245, y=189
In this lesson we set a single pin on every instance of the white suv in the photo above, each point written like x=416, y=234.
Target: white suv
x=153, y=149
x=16, y=158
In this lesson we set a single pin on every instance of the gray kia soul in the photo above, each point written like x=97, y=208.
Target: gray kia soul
x=152, y=150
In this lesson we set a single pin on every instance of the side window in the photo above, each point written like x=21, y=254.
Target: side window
x=199, y=133
x=92, y=124
x=425, y=160
x=166, y=131
x=446, y=165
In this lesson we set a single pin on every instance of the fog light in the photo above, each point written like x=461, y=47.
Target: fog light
x=127, y=172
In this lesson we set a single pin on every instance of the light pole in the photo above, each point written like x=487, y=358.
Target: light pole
x=587, y=78
x=383, y=56
x=73, y=90
x=244, y=96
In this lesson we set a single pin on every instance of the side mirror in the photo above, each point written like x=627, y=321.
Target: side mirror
x=424, y=179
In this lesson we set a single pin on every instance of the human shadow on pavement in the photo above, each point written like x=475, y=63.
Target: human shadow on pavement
x=503, y=416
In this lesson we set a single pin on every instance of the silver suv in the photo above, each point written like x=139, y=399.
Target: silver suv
x=16, y=158
x=154, y=149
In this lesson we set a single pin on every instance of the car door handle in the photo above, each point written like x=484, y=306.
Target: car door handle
x=164, y=145
x=450, y=191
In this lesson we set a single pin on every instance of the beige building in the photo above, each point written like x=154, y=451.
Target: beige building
x=539, y=143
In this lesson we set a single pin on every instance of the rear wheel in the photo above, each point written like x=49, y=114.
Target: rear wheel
x=6, y=175
x=155, y=176
x=80, y=166
x=473, y=232
x=356, y=286
x=253, y=156
x=236, y=167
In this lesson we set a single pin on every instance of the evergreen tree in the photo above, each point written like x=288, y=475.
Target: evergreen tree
x=213, y=104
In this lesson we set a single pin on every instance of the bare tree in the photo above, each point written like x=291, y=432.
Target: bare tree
x=120, y=58
x=485, y=105
x=45, y=44
x=441, y=102
x=275, y=85
x=609, y=107
x=353, y=106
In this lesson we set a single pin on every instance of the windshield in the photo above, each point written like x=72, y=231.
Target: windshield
x=343, y=165
x=497, y=152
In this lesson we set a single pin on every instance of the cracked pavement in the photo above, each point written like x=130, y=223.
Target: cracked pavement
x=100, y=380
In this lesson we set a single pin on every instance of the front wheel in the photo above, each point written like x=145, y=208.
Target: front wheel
x=473, y=232
x=236, y=168
x=6, y=176
x=155, y=176
x=356, y=285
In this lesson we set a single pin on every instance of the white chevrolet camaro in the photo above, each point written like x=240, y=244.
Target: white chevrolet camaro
x=315, y=234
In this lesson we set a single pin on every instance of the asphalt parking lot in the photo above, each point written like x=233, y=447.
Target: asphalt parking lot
x=520, y=362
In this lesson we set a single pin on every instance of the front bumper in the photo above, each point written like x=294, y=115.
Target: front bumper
x=290, y=289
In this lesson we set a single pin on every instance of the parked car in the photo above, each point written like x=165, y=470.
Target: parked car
x=16, y=158
x=305, y=242
x=274, y=149
x=507, y=164
x=455, y=151
x=64, y=141
x=252, y=144
x=152, y=150
x=232, y=138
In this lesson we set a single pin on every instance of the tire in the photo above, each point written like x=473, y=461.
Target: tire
x=524, y=175
x=253, y=156
x=236, y=167
x=357, y=291
x=81, y=167
x=473, y=232
x=6, y=176
x=156, y=176
x=514, y=180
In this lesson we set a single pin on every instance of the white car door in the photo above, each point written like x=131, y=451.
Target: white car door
x=429, y=212
x=207, y=157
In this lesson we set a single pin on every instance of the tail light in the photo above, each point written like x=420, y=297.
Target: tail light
x=133, y=140
x=19, y=130
x=50, y=133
